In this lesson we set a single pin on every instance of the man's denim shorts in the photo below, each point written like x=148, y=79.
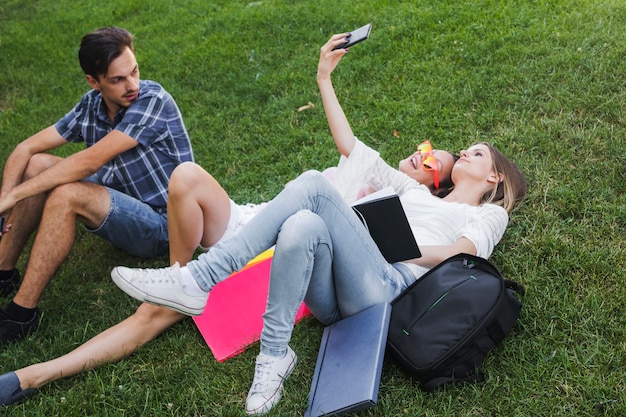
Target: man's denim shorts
x=133, y=226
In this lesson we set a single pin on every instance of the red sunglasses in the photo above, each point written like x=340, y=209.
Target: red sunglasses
x=429, y=162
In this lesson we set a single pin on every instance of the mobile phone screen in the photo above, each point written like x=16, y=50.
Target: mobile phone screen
x=356, y=36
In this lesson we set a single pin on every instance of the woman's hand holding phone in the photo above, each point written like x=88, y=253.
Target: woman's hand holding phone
x=356, y=36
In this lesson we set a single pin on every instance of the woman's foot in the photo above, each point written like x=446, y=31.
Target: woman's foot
x=10, y=390
x=161, y=287
x=267, y=387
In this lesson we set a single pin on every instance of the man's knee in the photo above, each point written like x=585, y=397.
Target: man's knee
x=38, y=163
x=89, y=202
x=71, y=192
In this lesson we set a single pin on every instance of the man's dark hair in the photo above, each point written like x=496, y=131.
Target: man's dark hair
x=100, y=47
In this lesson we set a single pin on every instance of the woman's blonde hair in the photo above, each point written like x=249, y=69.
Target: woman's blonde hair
x=512, y=189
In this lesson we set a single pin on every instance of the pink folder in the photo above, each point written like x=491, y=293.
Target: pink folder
x=233, y=316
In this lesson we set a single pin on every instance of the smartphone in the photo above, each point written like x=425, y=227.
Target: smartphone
x=1, y=224
x=356, y=36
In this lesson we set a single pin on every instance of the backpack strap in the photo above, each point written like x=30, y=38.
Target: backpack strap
x=515, y=286
x=438, y=382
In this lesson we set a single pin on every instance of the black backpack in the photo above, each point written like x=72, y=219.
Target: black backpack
x=443, y=325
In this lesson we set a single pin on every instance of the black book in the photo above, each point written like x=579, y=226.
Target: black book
x=383, y=216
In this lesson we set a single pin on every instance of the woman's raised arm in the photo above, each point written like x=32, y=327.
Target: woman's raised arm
x=337, y=121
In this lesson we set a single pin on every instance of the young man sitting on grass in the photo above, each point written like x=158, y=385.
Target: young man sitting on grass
x=117, y=187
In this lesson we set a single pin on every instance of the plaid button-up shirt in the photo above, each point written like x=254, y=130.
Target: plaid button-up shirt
x=154, y=121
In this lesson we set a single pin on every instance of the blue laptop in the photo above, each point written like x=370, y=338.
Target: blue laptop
x=349, y=363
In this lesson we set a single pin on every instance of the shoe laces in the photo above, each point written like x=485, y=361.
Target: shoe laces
x=262, y=374
x=161, y=275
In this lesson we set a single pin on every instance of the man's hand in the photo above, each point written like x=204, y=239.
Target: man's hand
x=7, y=202
x=4, y=227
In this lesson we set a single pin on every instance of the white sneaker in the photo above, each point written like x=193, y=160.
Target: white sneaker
x=160, y=287
x=267, y=386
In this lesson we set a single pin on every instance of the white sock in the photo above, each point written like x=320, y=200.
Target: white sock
x=190, y=286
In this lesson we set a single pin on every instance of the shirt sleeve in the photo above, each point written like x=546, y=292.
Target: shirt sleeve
x=68, y=126
x=486, y=228
x=351, y=171
x=364, y=166
x=145, y=120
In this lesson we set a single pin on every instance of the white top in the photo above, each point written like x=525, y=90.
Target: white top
x=433, y=220
x=240, y=214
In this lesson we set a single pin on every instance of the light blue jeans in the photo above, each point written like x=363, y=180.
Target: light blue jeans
x=323, y=256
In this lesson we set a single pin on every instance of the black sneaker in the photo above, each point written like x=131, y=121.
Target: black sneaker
x=10, y=284
x=11, y=329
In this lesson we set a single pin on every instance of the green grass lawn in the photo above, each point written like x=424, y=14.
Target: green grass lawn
x=544, y=80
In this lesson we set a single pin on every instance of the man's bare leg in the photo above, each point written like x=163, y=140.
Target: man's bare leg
x=83, y=201
x=194, y=197
x=25, y=216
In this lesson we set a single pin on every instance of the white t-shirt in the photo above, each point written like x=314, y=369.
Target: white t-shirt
x=433, y=220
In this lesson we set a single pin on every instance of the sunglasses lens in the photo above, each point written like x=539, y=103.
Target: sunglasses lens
x=425, y=147
x=430, y=164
